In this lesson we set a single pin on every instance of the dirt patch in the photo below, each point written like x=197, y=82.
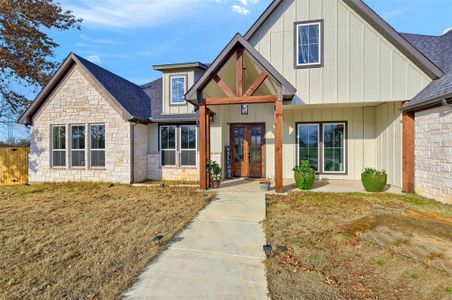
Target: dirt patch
x=319, y=256
x=85, y=241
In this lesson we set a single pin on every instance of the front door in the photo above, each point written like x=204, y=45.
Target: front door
x=247, y=144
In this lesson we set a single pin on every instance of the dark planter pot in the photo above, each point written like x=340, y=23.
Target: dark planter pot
x=304, y=182
x=374, y=182
x=216, y=184
x=265, y=186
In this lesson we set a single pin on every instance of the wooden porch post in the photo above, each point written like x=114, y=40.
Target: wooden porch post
x=202, y=146
x=408, y=152
x=278, y=146
x=207, y=144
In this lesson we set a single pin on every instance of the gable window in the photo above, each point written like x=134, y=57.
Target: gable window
x=177, y=89
x=97, y=145
x=308, y=44
x=323, y=144
x=168, y=145
x=77, y=146
x=58, y=146
x=188, y=145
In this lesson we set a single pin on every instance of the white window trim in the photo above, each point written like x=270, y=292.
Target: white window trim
x=343, y=152
x=196, y=147
x=318, y=143
x=59, y=150
x=298, y=64
x=96, y=149
x=73, y=149
x=171, y=88
x=175, y=145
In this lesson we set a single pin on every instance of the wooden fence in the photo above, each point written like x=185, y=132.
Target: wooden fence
x=13, y=165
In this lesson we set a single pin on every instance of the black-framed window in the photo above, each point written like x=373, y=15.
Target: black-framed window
x=78, y=137
x=323, y=144
x=178, y=86
x=188, y=145
x=58, y=146
x=168, y=145
x=97, y=145
x=309, y=44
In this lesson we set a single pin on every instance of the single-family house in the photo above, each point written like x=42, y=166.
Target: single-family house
x=327, y=81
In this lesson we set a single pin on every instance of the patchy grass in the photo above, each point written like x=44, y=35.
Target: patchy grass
x=85, y=241
x=318, y=256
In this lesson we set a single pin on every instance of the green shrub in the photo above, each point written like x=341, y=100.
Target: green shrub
x=304, y=168
x=373, y=171
x=214, y=170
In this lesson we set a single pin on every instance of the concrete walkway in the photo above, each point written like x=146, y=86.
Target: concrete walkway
x=218, y=256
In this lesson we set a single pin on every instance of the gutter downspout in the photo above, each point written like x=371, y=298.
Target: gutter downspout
x=445, y=103
x=132, y=152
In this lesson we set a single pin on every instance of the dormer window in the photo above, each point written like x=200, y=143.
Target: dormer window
x=309, y=44
x=178, y=86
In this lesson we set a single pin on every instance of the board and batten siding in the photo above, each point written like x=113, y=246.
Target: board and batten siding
x=373, y=138
x=360, y=65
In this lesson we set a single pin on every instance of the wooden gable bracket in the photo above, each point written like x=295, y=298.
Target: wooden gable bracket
x=239, y=97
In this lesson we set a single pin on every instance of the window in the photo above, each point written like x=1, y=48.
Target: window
x=77, y=146
x=177, y=89
x=309, y=40
x=308, y=144
x=188, y=145
x=168, y=145
x=323, y=145
x=333, y=147
x=58, y=146
x=97, y=145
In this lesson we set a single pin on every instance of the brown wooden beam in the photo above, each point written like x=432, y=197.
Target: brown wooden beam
x=239, y=72
x=256, y=84
x=408, y=152
x=241, y=100
x=279, y=147
x=207, y=144
x=224, y=87
x=202, y=147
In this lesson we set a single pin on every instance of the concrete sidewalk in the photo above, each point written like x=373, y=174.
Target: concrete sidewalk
x=218, y=256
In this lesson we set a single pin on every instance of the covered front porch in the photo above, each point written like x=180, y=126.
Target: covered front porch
x=240, y=99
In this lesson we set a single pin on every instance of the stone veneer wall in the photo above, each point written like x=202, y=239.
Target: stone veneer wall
x=157, y=172
x=78, y=100
x=433, y=154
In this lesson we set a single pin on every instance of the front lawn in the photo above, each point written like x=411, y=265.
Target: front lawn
x=85, y=241
x=358, y=246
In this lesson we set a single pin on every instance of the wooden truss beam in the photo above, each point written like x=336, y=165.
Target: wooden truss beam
x=241, y=100
x=224, y=87
x=256, y=84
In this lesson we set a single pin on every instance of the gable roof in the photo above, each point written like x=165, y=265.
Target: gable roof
x=129, y=97
x=362, y=9
x=154, y=90
x=288, y=90
x=439, y=50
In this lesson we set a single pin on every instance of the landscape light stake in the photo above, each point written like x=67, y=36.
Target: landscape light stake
x=158, y=239
x=268, y=250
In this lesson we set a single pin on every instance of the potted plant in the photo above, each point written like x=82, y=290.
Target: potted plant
x=265, y=184
x=304, y=175
x=214, y=170
x=374, y=180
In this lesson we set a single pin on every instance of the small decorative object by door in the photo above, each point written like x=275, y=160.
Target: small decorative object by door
x=374, y=180
x=214, y=170
x=304, y=175
x=265, y=184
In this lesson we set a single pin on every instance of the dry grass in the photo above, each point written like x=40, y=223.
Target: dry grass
x=84, y=241
x=317, y=256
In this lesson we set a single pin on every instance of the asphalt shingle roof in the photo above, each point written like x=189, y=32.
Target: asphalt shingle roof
x=439, y=50
x=129, y=95
x=154, y=90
